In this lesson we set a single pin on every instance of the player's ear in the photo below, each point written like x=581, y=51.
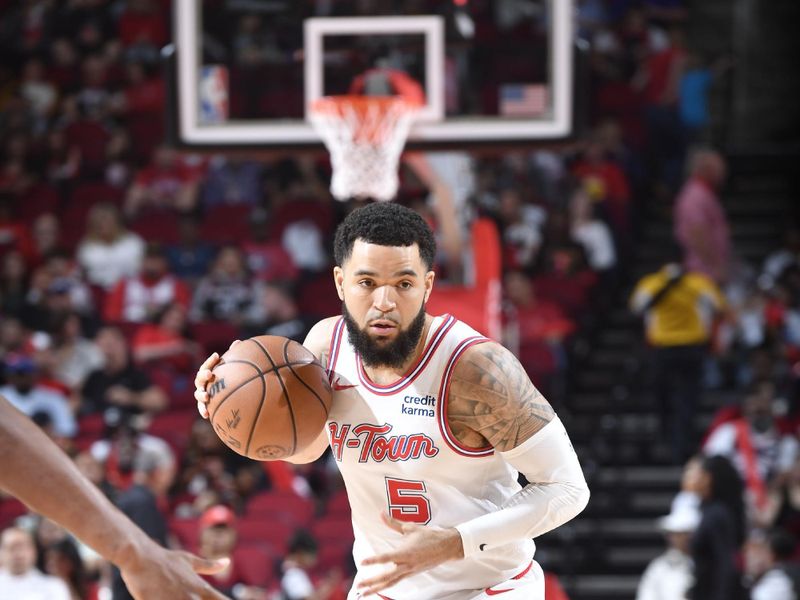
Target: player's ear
x=338, y=279
x=429, y=277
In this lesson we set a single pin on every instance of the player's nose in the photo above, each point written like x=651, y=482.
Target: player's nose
x=383, y=298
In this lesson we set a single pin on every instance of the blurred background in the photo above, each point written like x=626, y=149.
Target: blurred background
x=649, y=267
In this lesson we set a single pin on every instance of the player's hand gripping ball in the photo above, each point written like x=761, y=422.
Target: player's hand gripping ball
x=269, y=398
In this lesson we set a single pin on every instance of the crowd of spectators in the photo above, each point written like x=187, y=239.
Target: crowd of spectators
x=123, y=262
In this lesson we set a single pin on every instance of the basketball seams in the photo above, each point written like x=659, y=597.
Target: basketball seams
x=239, y=386
x=300, y=379
x=285, y=393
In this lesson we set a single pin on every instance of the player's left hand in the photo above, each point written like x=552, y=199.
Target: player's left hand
x=423, y=548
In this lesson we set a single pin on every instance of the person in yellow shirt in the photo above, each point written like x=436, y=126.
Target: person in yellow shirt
x=679, y=308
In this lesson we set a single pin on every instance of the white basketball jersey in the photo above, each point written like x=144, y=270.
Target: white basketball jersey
x=397, y=455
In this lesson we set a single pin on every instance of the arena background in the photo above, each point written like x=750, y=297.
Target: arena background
x=129, y=253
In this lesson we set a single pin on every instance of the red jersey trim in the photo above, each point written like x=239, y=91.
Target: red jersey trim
x=413, y=372
x=444, y=392
x=490, y=592
x=333, y=349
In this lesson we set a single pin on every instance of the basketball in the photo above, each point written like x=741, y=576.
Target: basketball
x=269, y=398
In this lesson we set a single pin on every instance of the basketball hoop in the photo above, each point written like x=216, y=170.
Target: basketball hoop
x=365, y=136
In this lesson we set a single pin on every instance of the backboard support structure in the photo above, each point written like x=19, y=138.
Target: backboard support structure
x=539, y=75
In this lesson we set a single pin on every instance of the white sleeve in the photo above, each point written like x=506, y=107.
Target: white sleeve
x=721, y=442
x=557, y=493
x=296, y=584
x=649, y=584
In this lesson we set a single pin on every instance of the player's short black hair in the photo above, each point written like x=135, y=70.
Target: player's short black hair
x=384, y=224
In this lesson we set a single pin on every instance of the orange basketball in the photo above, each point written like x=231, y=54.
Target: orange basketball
x=269, y=398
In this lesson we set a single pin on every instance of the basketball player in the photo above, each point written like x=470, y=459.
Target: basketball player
x=430, y=424
x=37, y=472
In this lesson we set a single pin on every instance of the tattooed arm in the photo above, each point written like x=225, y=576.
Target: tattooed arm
x=493, y=402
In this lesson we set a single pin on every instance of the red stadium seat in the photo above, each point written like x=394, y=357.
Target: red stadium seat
x=226, y=224
x=157, y=226
x=214, y=336
x=40, y=199
x=338, y=506
x=187, y=531
x=333, y=530
x=284, y=505
x=10, y=509
x=271, y=531
x=255, y=562
x=318, y=297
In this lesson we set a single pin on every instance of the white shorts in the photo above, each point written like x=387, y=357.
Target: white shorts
x=528, y=585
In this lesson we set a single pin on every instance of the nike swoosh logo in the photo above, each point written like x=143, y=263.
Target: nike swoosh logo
x=491, y=592
x=338, y=387
x=481, y=547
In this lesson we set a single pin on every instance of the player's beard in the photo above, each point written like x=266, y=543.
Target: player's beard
x=394, y=353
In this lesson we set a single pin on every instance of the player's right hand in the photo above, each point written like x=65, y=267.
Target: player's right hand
x=203, y=377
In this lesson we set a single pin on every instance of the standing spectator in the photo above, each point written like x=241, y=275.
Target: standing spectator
x=153, y=473
x=701, y=226
x=109, y=252
x=678, y=307
x=769, y=562
x=720, y=534
x=228, y=292
x=19, y=577
x=142, y=297
x=669, y=575
x=118, y=383
x=763, y=455
x=24, y=391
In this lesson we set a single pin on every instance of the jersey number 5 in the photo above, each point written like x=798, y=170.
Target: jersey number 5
x=407, y=501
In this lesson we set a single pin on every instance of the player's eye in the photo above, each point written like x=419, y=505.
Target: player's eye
x=405, y=285
x=366, y=283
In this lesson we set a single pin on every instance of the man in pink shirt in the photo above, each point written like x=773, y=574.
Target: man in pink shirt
x=701, y=226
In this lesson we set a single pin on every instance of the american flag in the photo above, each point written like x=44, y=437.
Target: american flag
x=523, y=99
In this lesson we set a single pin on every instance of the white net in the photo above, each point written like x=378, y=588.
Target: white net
x=365, y=136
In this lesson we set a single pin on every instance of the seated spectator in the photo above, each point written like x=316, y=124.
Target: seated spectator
x=266, y=258
x=118, y=383
x=233, y=181
x=167, y=183
x=669, y=575
x=296, y=584
x=65, y=275
x=63, y=560
x=228, y=292
x=13, y=283
x=218, y=540
x=163, y=343
x=140, y=298
x=191, y=256
x=210, y=474
x=522, y=225
x=75, y=355
x=108, y=251
x=24, y=391
x=19, y=577
x=144, y=92
x=141, y=23
x=761, y=453
x=770, y=562
x=46, y=233
x=541, y=327
x=283, y=317
x=591, y=233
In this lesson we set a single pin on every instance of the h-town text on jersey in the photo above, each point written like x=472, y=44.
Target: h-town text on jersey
x=374, y=444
